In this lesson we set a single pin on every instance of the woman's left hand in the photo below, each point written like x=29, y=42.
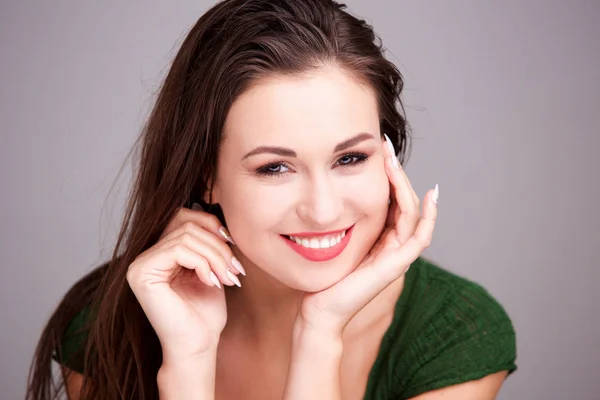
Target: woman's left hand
x=406, y=234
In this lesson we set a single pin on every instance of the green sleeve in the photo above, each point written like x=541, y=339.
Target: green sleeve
x=468, y=336
x=72, y=345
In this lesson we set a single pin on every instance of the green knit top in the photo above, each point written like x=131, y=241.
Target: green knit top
x=446, y=330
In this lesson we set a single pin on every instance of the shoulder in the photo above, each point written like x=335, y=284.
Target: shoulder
x=447, y=330
x=73, y=319
x=444, y=294
x=71, y=349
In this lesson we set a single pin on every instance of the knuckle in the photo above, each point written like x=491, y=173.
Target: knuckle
x=203, y=265
x=188, y=227
x=130, y=276
x=425, y=240
x=226, y=252
x=133, y=273
x=185, y=239
x=178, y=250
x=212, y=219
x=412, y=213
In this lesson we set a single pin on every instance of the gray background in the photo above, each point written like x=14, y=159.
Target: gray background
x=503, y=97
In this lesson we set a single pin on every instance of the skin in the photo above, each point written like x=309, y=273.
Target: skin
x=296, y=329
x=311, y=115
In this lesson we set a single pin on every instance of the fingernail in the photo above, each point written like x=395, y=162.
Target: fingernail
x=197, y=206
x=214, y=279
x=436, y=194
x=237, y=265
x=233, y=278
x=225, y=233
x=390, y=146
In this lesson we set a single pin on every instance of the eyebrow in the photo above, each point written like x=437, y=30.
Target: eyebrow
x=285, y=152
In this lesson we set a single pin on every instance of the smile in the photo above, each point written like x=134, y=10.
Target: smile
x=319, y=246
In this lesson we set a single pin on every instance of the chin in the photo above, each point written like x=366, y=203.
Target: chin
x=310, y=283
x=312, y=277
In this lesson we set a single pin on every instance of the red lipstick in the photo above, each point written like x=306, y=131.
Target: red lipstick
x=319, y=254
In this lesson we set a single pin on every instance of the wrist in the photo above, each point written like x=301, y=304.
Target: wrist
x=179, y=355
x=190, y=378
x=312, y=338
x=314, y=370
x=305, y=328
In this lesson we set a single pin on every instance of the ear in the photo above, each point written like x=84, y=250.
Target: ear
x=211, y=195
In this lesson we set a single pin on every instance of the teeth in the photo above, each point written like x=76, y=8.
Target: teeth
x=322, y=242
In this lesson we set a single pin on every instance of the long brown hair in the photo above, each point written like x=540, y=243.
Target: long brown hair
x=231, y=47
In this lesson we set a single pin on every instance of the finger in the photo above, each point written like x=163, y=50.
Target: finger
x=202, y=263
x=221, y=266
x=408, y=208
x=422, y=237
x=396, y=262
x=365, y=283
x=402, y=189
x=162, y=265
x=210, y=239
x=217, y=264
x=203, y=219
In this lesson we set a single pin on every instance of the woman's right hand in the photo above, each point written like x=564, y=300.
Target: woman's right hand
x=177, y=283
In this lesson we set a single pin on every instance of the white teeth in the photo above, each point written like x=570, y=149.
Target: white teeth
x=322, y=242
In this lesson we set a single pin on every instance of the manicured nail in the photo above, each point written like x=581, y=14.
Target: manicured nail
x=233, y=278
x=436, y=194
x=237, y=265
x=225, y=233
x=214, y=279
x=197, y=206
x=390, y=146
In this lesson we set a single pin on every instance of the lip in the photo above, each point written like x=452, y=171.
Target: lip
x=320, y=254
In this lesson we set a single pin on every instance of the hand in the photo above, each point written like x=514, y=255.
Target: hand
x=177, y=282
x=404, y=237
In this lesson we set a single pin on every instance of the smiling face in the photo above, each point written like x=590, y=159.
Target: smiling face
x=300, y=164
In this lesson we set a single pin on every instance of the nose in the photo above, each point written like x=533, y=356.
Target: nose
x=321, y=204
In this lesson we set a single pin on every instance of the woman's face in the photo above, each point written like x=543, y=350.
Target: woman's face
x=300, y=166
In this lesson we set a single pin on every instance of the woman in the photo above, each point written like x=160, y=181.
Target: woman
x=266, y=248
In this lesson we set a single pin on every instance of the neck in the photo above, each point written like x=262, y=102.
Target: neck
x=263, y=310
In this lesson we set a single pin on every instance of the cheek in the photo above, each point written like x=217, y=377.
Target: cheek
x=371, y=190
x=254, y=208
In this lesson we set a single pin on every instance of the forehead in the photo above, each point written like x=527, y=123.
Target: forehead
x=326, y=104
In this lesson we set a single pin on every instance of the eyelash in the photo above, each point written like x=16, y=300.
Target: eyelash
x=359, y=159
